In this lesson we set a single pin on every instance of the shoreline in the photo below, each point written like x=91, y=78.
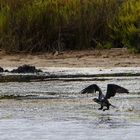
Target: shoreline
x=22, y=74
x=115, y=57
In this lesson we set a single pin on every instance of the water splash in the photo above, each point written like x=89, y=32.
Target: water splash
x=125, y=106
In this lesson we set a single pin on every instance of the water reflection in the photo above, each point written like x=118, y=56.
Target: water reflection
x=109, y=121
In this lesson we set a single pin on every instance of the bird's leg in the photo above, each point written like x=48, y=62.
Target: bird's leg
x=106, y=108
x=100, y=107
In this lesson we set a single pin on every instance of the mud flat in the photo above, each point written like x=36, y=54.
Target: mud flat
x=87, y=58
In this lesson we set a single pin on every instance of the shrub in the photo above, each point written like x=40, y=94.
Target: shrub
x=126, y=26
x=49, y=25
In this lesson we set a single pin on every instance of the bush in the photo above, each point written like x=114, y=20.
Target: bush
x=50, y=25
x=126, y=27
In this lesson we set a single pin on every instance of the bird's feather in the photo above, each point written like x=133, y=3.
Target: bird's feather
x=112, y=89
x=93, y=89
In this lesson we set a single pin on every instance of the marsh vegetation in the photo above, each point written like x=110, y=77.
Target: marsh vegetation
x=56, y=25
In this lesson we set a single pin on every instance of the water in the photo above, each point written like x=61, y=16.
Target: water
x=55, y=110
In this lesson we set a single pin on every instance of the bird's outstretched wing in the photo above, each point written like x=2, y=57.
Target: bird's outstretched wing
x=112, y=89
x=92, y=89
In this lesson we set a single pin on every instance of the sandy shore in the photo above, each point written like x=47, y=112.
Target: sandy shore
x=89, y=58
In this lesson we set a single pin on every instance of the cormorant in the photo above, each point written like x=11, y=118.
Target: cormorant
x=102, y=99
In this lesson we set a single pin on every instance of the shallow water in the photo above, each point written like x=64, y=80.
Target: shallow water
x=55, y=110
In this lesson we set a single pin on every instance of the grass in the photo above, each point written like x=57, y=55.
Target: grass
x=50, y=25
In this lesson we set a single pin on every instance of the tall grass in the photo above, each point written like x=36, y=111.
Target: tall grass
x=126, y=25
x=49, y=25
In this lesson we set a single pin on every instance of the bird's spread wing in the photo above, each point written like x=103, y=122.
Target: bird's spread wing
x=92, y=89
x=112, y=89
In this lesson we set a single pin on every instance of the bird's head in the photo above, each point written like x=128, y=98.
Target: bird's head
x=96, y=100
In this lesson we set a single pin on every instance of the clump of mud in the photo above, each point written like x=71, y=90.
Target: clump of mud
x=26, y=69
x=1, y=69
x=20, y=74
x=23, y=69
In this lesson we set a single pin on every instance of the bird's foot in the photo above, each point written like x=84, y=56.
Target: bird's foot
x=105, y=109
x=100, y=108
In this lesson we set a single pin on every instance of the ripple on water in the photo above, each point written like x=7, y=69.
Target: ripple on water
x=56, y=111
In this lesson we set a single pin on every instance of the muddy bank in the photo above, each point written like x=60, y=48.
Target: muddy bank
x=86, y=58
x=22, y=69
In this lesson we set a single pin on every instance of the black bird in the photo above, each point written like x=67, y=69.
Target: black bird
x=102, y=99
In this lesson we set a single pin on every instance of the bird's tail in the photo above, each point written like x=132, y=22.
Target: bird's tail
x=113, y=106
